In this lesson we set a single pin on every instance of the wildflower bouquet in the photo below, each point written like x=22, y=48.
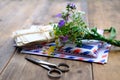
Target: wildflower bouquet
x=72, y=28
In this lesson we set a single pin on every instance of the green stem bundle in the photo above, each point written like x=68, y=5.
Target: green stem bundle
x=97, y=36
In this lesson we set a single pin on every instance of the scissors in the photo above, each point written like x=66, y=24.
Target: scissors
x=54, y=71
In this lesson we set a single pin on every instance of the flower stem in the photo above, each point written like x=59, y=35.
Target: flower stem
x=102, y=38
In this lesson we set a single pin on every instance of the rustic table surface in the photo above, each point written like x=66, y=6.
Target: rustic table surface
x=19, y=14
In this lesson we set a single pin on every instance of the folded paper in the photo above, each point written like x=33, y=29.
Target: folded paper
x=37, y=33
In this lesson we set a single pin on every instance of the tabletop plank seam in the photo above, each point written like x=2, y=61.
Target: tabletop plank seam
x=2, y=70
x=92, y=71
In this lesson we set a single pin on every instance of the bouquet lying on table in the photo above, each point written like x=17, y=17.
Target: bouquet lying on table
x=71, y=27
x=72, y=39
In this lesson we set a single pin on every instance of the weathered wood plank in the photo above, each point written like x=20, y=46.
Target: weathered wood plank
x=103, y=14
x=3, y=3
x=20, y=69
x=13, y=16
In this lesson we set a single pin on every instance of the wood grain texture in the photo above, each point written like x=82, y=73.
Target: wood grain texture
x=13, y=15
x=103, y=14
x=22, y=15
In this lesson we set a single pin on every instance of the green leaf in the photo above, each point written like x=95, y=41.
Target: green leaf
x=112, y=32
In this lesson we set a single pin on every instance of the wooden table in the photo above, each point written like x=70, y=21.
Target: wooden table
x=19, y=14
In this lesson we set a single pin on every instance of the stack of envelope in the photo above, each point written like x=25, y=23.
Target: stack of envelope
x=91, y=53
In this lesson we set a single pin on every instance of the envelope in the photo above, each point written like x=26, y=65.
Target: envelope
x=101, y=57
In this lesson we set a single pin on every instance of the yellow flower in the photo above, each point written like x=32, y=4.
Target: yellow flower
x=50, y=50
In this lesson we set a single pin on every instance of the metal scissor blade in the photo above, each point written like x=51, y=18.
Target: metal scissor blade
x=46, y=67
x=33, y=60
x=37, y=61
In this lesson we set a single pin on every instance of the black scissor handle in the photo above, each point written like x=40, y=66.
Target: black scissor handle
x=63, y=67
x=54, y=73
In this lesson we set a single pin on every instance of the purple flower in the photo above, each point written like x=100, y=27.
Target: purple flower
x=59, y=15
x=64, y=38
x=61, y=23
x=71, y=5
